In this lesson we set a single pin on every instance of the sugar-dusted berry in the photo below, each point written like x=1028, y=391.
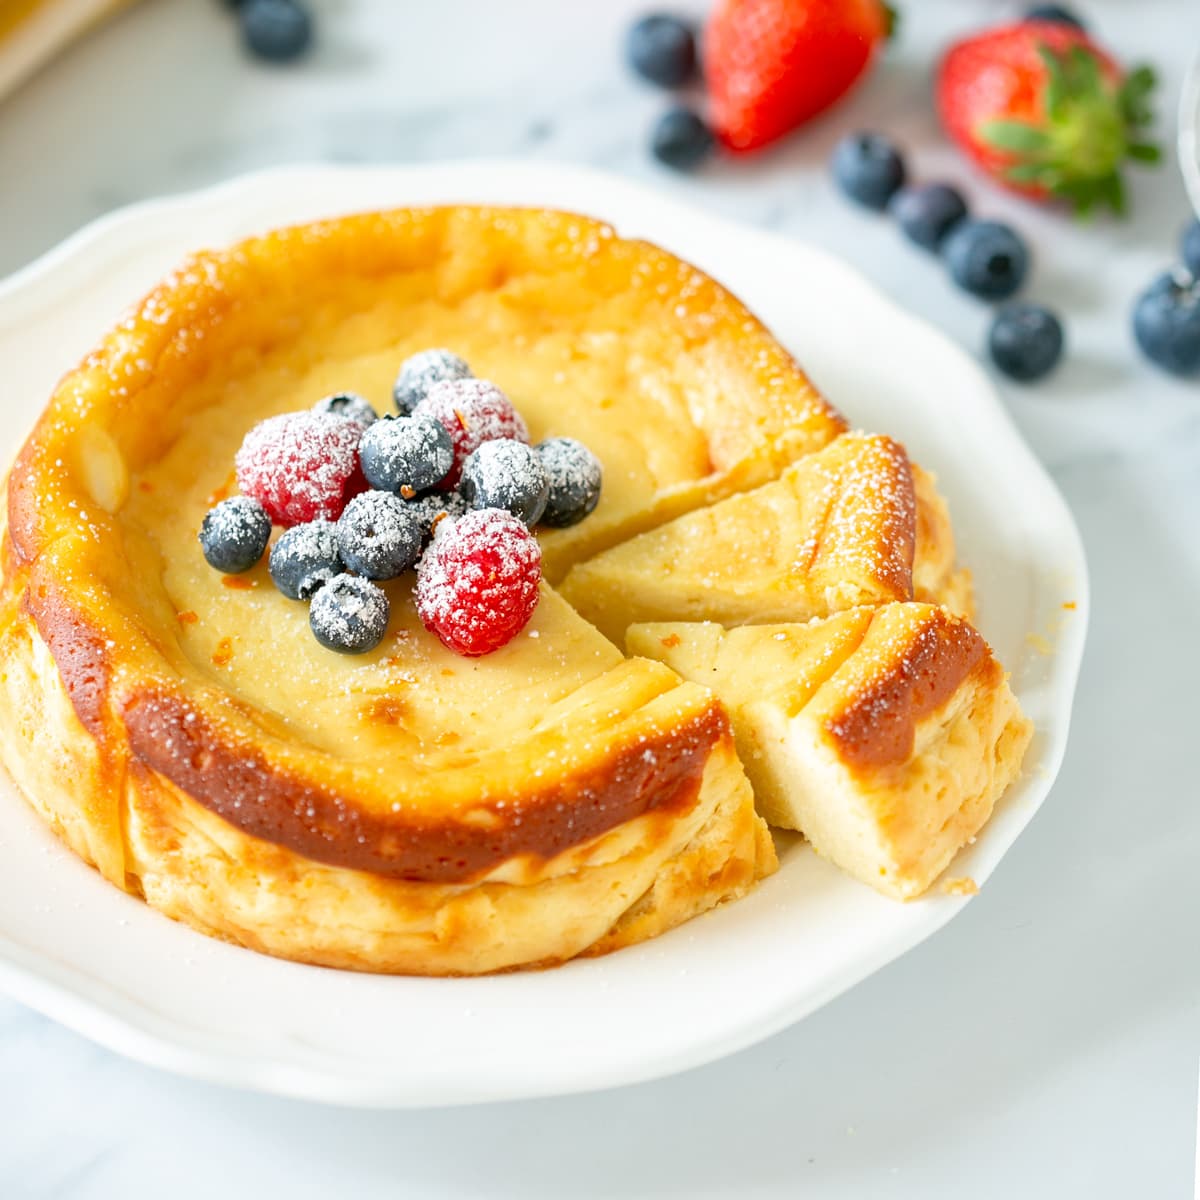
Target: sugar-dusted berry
x=574, y=475
x=411, y=453
x=377, y=536
x=305, y=558
x=477, y=584
x=420, y=372
x=301, y=466
x=235, y=534
x=472, y=411
x=509, y=475
x=349, y=615
x=348, y=404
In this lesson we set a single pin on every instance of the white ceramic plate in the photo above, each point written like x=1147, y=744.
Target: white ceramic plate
x=109, y=967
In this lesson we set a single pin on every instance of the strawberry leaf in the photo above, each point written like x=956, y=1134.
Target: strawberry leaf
x=1145, y=152
x=1015, y=135
x=1134, y=96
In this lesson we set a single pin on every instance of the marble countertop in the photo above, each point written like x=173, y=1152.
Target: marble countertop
x=1044, y=1044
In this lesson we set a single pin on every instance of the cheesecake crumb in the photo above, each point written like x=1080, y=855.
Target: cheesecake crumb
x=960, y=885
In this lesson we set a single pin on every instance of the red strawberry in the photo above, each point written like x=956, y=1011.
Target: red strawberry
x=1044, y=110
x=771, y=65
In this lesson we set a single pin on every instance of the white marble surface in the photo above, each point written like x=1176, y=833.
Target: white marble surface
x=1045, y=1044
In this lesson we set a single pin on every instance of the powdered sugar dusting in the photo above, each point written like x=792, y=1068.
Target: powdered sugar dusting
x=472, y=411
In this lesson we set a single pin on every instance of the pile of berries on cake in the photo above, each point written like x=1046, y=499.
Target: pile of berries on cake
x=448, y=484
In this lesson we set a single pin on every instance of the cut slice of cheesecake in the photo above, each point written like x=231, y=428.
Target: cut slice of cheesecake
x=884, y=735
x=850, y=525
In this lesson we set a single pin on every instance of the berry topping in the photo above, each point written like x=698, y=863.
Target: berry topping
x=305, y=558
x=986, y=258
x=348, y=404
x=349, y=615
x=928, y=212
x=410, y=453
x=276, y=30
x=234, y=535
x=1190, y=247
x=1055, y=13
x=1166, y=323
x=868, y=168
x=662, y=50
x=681, y=139
x=477, y=584
x=574, y=474
x=509, y=475
x=432, y=508
x=377, y=536
x=1025, y=341
x=420, y=372
x=472, y=411
x=301, y=466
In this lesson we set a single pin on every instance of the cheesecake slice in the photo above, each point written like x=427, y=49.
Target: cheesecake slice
x=884, y=735
x=853, y=524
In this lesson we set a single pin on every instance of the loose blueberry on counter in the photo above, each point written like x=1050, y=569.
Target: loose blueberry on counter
x=420, y=372
x=1025, y=341
x=662, y=50
x=927, y=212
x=377, y=536
x=1166, y=323
x=305, y=558
x=1056, y=13
x=406, y=452
x=234, y=535
x=868, y=168
x=574, y=474
x=348, y=404
x=275, y=30
x=986, y=258
x=349, y=615
x=509, y=475
x=681, y=139
x=1190, y=247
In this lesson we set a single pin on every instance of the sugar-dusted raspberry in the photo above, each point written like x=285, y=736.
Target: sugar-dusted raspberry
x=477, y=584
x=301, y=466
x=472, y=411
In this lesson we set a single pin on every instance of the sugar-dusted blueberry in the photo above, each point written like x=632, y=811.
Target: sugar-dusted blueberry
x=662, y=50
x=234, y=535
x=377, y=536
x=681, y=139
x=349, y=615
x=1057, y=14
x=420, y=372
x=406, y=453
x=1189, y=246
x=276, y=30
x=986, y=258
x=348, y=404
x=927, y=212
x=868, y=168
x=1025, y=341
x=305, y=558
x=431, y=508
x=509, y=475
x=575, y=475
x=1166, y=323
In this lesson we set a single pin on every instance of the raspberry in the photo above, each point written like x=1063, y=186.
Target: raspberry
x=301, y=466
x=472, y=411
x=477, y=585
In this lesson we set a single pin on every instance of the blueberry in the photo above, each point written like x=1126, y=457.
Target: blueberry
x=348, y=404
x=574, y=473
x=1190, y=246
x=986, y=258
x=406, y=452
x=234, y=535
x=662, y=50
x=349, y=615
x=377, y=536
x=305, y=558
x=1166, y=323
x=927, y=212
x=431, y=507
x=506, y=474
x=420, y=372
x=1025, y=341
x=1057, y=13
x=681, y=139
x=276, y=30
x=868, y=168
